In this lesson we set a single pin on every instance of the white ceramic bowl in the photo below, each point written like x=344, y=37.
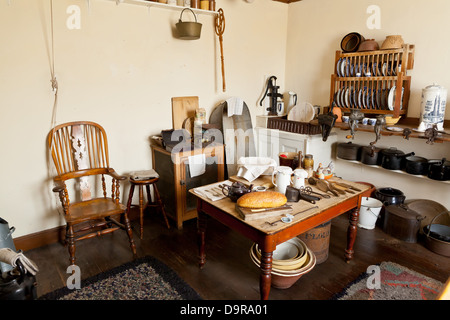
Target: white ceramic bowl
x=293, y=250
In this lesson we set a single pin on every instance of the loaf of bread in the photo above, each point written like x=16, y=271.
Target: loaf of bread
x=265, y=199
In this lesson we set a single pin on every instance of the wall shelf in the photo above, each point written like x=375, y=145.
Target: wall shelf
x=150, y=4
x=394, y=171
x=384, y=132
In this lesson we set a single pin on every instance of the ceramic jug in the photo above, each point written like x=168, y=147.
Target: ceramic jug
x=298, y=178
x=281, y=178
x=290, y=100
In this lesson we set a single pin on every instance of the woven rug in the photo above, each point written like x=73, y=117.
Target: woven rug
x=396, y=283
x=142, y=279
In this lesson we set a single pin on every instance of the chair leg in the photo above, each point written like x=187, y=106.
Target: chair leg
x=160, y=204
x=129, y=232
x=70, y=238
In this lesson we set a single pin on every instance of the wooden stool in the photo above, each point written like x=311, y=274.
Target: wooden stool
x=158, y=203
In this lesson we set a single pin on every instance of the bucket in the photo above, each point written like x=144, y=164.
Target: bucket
x=318, y=241
x=189, y=30
x=369, y=212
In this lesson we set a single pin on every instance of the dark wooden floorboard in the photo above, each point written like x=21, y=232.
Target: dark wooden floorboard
x=229, y=274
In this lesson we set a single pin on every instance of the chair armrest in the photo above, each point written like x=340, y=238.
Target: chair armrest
x=114, y=174
x=59, y=187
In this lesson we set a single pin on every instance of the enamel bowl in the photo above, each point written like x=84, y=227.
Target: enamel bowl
x=289, y=255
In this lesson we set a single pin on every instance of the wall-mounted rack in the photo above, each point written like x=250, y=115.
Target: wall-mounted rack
x=150, y=4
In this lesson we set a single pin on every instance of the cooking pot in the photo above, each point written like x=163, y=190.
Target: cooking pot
x=348, y=151
x=439, y=170
x=393, y=159
x=416, y=165
x=390, y=196
x=438, y=237
x=371, y=155
x=402, y=222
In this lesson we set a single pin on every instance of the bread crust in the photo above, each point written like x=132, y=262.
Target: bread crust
x=265, y=199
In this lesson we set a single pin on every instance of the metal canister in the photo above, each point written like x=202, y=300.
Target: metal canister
x=6, y=241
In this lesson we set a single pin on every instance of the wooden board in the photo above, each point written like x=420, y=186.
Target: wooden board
x=182, y=108
x=265, y=181
x=249, y=214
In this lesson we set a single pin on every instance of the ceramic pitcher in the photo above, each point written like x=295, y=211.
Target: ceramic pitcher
x=281, y=178
x=298, y=178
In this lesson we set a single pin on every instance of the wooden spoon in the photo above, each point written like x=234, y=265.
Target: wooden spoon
x=322, y=185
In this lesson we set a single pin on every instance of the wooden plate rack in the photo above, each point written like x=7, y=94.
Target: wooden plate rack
x=375, y=82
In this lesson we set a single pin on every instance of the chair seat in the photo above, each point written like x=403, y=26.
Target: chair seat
x=93, y=209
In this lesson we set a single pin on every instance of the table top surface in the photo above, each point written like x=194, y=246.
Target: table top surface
x=302, y=210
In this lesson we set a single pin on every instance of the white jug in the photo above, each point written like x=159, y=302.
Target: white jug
x=283, y=178
x=290, y=101
x=298, y=179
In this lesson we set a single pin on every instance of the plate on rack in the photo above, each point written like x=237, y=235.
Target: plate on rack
x=396, y=129
x=338, y=67
x=391, y=98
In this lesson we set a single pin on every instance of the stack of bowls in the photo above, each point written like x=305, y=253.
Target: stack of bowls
x=290, y=261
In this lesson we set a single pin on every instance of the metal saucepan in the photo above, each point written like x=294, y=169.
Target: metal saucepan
x=394, y=159
x=439, y=169
x=348, y=151
x=416, y=165
x=371, y=155
x=390, y=196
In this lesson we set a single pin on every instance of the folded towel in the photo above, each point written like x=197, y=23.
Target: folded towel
x=235, y=106
x=197, y=165
x=11, y=257
x=251, y=168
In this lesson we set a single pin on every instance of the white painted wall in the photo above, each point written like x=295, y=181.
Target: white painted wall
x=120, y=70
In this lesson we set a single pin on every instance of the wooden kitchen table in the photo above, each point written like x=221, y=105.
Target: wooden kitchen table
x=269, y=232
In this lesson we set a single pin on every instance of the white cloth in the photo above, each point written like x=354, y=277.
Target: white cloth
x=251, y=168
x=9, y=256
x=213, y=191
x=235, y=106
x=197, y=165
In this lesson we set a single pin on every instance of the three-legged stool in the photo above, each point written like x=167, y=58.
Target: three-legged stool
x=158, y=203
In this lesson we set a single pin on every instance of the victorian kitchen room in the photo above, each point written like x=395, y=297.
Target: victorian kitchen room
x=225, y=150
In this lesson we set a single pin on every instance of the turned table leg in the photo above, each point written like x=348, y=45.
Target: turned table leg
x=265, y=278
x=351, y=234
x=201, y=230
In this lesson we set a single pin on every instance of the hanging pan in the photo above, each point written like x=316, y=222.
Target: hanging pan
x=189, y=30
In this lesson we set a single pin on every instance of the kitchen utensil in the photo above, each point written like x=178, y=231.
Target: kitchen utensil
x=249, y=214
x=236, y=190
x=220, y=28
x=392, y=42
x=334, y=188
x=351, y=42
x=282, y=175
x=341, y=189
x=298, y=178
x=438, y=236
x=272, y=92
x=370, y=155
x=322, y=185
x=292, y=194
x=439, y=170
x=402, y=222
x=348, y=151
x=291, y=101
x=354, y=118
x=416, y=165
x=379, y=123
x=346, y=186
x=393, y=159
x=308, y=197
x=188, y=30
x=309, y=190
x=368, y=45
x=389, y=196
x=326, y=123
x=429, y=209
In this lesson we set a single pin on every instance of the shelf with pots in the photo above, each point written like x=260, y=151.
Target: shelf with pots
x=394, y=171
x=156, y=4
x=373, y=81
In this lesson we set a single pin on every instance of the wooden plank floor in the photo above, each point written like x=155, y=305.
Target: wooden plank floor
x=229, y=273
